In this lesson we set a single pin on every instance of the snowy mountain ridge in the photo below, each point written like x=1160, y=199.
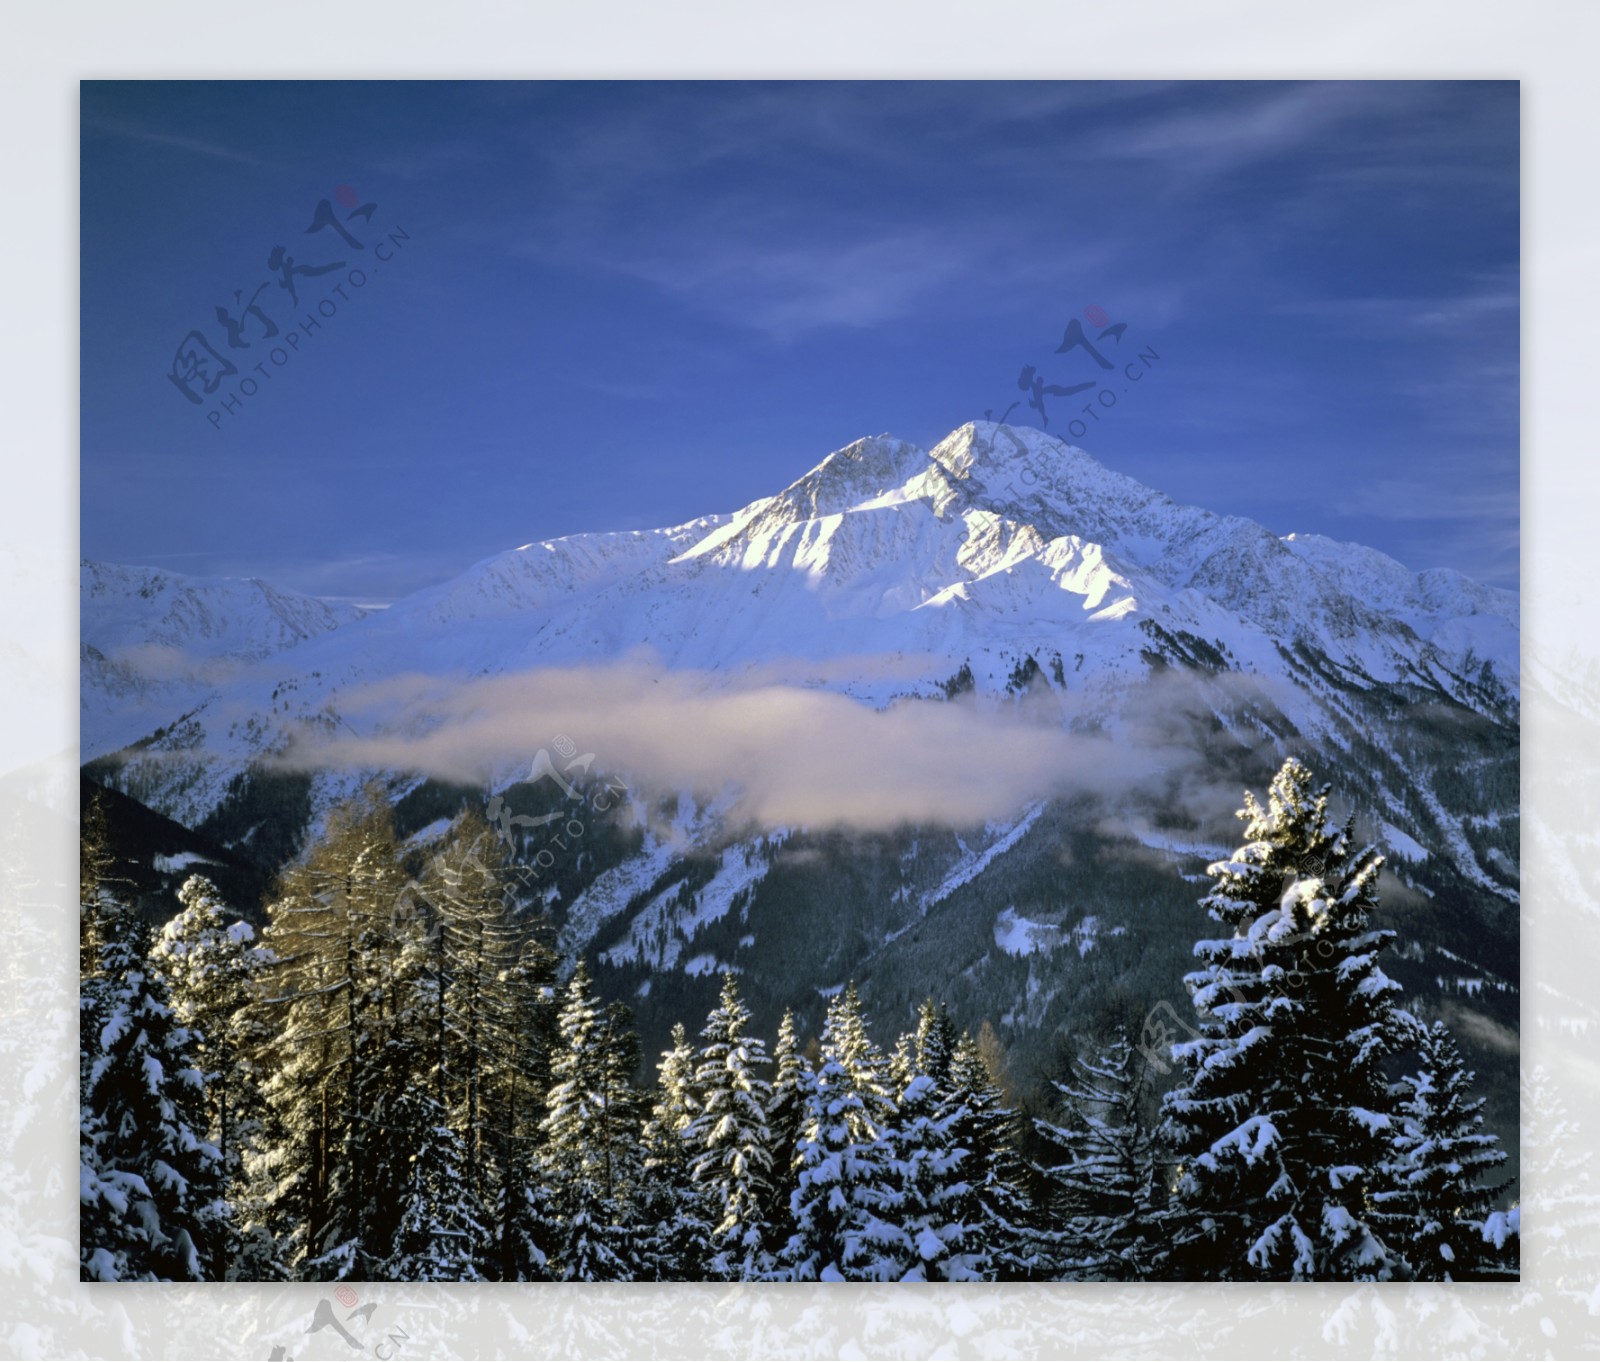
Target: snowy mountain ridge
x=996, y=536
x=1002, y=562
x=999, y=544
x=153, y=642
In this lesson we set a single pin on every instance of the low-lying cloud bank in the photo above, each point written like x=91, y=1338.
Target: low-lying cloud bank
x=793, y=755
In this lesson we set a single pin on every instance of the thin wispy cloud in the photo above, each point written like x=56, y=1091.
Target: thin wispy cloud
x=1414, y=499
x=1248, y=127
x=786, y=290
x=1491, y=300
x=1454, y=357
x=166, y=139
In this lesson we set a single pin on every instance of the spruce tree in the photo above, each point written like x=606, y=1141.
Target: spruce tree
x=151, y=1183
x=839, y=1160
x=590, y=1140
x=869, y=1068
x=1441, y=1154
x=441, y=1234
x=1283, y=1117
x=929, y=1048
x=834, y=1166
x=918, y=1229
x=730, y=1135
x=674, y=1208
x=1102, y=1170
x=993, y=1198
x=785, y=1115
x=212, y=968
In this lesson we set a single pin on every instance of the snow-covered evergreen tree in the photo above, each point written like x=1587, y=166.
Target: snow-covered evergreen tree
x=441, y=1235
x=916, y=1199
x=591, y=1140
x=730, y=1137
x=785, y=1115
x=1101, y=1169
x=1441, y=1154
x=928, y=1048
x=982, y=1123
x=869, y=1068
x=434, y=1222
x=213, y=970
x=917, y=1229
x=839, y=1160
x=829, y=1202
x=674, y=1209
x=151, y=1184
x=518, y=1083
x=1283, y=1118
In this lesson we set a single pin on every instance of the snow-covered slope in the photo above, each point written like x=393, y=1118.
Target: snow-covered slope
x=153, y=643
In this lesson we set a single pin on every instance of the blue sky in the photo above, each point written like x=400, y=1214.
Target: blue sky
x=619, y=305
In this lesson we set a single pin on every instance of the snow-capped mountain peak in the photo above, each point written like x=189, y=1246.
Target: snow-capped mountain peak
x=1004, y=569
x=1000, y=543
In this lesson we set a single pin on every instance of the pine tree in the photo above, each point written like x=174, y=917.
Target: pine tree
x=1441, y=1153
x=1283, y=1118
x=591, y=1137
x=674, y=1208
x=151, y=1184
x=730, y=1135
x=213, y=971
x=1102, y=1172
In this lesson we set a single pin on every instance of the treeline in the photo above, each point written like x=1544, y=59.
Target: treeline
x=395, y=1082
